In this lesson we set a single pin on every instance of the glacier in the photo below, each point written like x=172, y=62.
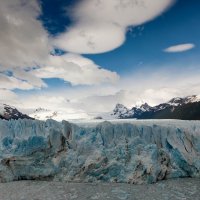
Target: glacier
x=125, y=151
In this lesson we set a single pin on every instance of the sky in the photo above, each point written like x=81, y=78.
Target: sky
x=85, y=56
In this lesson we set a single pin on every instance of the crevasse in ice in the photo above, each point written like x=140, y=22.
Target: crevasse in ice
x=126, y=151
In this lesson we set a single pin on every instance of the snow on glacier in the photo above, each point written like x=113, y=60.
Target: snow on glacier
x=129, y=151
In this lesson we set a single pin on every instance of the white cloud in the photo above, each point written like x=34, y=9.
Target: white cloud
x=23, y=40
x=75, y=69
x=9, y=82
x=100, y=25
x=179, y=48
x=25, y=44
x=29, y=77
x=7, y=97
x=92, y=38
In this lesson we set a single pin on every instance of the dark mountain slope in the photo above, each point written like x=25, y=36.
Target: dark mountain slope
x=190, y=111
x=7, y=112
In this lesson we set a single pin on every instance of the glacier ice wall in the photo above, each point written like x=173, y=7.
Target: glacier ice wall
x=121, y=151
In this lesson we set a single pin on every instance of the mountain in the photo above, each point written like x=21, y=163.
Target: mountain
x=120, y=111
x=7, y=112
x=189, y=111
x=44, y=114
x=187, y=108
x=58, y=115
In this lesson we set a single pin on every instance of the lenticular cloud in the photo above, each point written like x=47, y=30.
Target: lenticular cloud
x=100, y=26
x=179, y=48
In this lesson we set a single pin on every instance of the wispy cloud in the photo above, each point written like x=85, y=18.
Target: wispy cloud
x=179, y=48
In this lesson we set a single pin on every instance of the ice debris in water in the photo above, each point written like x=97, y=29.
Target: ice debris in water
x=126, y=151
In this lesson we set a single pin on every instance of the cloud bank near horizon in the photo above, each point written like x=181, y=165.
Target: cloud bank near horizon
x=131, y=90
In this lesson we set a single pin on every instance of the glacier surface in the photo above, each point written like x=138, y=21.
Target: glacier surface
x=126, y=151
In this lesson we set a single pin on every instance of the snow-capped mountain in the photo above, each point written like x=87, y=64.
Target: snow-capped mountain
x=176, y=108
x=8, y=112
x=58, y=115
x=145, y=107
x=120, y=111
x=44, y=114
x=169, y=109
x=175, y=102
x=180, y=101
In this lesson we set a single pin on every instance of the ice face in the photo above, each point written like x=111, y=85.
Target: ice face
x=130, y=151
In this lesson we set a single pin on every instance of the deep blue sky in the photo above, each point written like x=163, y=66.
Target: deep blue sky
x=144, y=44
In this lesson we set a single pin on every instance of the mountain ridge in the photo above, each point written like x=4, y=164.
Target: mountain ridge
x=9, y=112
x=169, y=110
x=186, y=108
